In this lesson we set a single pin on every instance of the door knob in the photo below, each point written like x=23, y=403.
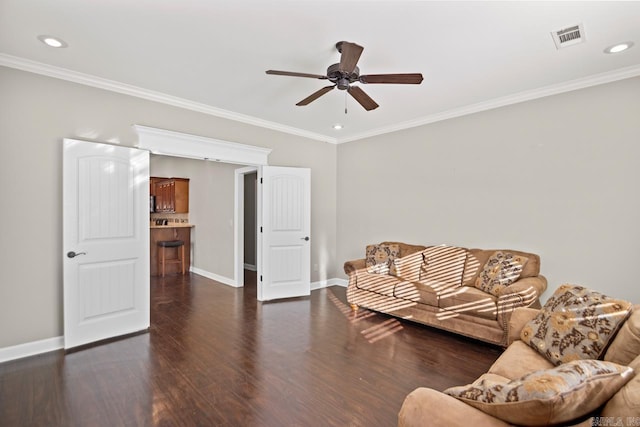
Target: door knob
x=72, y=254
x=306, y=239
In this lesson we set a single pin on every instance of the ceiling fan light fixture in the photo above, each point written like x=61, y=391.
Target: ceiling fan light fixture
x=346, y=72
x=52, y=41
x=619, y=47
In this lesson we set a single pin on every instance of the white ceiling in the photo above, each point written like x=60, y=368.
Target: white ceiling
x=212, y=55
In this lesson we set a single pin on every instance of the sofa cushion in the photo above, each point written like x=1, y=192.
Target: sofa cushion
x=442, y=267
x=383, y=284
x=575, y=323
x=379, y=258
x=469, y=300
x=417, y=292
x=517, y=360
x=500, y=270
x=548, y=396
x=626, y=344
x=626, y=402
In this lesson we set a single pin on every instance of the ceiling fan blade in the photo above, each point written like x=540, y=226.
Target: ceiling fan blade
x=362, y=98
x=294, y=74
x=350, y=54
x=412, y=78
x=315, y=95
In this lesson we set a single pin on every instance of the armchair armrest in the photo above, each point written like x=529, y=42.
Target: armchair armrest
x=352, y=266
x=523, y=293
x=519, y=317
x=428, y=407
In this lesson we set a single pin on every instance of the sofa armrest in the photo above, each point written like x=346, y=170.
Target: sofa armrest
x=534, y=286
x=523, y=293
x=428, y=407
x=519, y=318
x=352, y=266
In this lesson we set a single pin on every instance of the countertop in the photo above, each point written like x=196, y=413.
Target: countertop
x=173, y=225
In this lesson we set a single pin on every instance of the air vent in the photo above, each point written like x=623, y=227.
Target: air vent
x=568, y=36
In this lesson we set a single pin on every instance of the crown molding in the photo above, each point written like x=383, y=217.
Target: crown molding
x=114, y=86
x=150, y=95
x=529, y=95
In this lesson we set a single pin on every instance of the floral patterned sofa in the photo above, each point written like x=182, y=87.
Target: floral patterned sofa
x=471, y=292
x=572, y=363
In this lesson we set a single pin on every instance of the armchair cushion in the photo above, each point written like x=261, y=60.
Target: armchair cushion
x=626, y=346
x=545, y=397
x=626, y=403
x=575, y=323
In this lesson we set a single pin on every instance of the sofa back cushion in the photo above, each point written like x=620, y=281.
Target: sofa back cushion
x=625, y=347
x=408, y=267
x=477, y=258
x=442, y=267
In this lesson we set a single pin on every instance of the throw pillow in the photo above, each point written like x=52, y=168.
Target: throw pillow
x=575, y=323
x=500, y=270
x=379, y=258
x=550, y=396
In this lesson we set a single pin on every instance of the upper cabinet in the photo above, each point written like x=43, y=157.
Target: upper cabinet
x=172, y=194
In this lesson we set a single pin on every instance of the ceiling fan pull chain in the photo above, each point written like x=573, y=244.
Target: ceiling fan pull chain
x=345, y=102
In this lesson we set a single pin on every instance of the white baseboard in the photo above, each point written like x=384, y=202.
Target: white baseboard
x=224, y=280
x=250, y=267
x=31, y=348
x=329, y=282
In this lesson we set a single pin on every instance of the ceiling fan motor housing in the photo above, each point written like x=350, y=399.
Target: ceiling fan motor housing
x=340, y=78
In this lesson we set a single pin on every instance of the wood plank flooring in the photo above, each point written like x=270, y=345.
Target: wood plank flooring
x=217, y=357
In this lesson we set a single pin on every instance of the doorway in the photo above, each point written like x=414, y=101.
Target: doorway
x=246, y=221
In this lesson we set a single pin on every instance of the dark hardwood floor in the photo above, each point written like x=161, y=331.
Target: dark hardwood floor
x=216, y=357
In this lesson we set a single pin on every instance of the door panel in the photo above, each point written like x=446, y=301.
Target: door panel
x=286, y=219
x=106, y=223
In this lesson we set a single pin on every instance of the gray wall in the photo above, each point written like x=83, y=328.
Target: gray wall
x=37, y=112
x=558, y=176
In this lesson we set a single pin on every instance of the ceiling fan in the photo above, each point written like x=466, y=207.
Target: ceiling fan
x=346, y=72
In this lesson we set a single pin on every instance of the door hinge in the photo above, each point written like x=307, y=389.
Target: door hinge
x=261, y=277
x=261, y=229
x=260, y=180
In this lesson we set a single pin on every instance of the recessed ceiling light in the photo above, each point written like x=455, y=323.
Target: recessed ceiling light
x=337, y=126
x=52, y=41
x=617, y=48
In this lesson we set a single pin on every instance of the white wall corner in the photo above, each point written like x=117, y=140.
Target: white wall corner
x=224, y=280
x=329, y=282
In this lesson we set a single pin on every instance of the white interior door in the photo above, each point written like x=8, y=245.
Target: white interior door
x=105, y=241
x=284, y=267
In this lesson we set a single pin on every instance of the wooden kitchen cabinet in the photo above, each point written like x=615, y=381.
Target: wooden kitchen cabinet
x=172, y=194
